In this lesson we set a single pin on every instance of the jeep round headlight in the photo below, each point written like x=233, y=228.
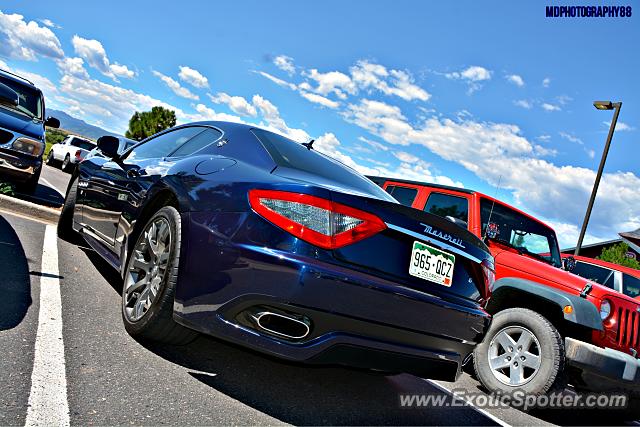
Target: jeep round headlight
x=29, y=146
x=605, y=309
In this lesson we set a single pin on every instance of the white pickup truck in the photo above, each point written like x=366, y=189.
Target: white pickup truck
x=70, y=152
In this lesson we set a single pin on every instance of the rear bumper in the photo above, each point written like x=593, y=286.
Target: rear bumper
x=18, y=167
x=603, y=368
x=356, y=319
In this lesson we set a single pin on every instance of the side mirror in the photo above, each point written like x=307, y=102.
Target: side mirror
x=569, y=263
x=52, y=122
x=8, y=95
x=109, y=145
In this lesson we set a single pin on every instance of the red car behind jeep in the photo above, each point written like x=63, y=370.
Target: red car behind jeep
x=549, y=326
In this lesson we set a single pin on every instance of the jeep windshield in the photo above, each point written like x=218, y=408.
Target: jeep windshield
x=29, y=98
x=521, y=232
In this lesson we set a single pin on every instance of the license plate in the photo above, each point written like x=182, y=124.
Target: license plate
x=431, y=264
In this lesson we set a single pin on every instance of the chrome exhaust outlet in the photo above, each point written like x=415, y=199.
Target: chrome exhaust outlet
x=281, y=325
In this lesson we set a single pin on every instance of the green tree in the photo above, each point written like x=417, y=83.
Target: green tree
x=616, y=255
x=147, y=123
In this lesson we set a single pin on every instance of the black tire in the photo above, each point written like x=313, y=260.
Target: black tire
x=65, y=221
x=50, y=159
x=67, y=166
x=550, y=374
x=157, y=322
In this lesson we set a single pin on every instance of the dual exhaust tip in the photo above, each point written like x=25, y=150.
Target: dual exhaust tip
x=282, y=325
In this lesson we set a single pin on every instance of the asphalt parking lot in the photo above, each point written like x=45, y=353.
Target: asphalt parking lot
x=112, y=379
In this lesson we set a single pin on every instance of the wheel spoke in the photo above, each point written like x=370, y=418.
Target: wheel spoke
x=499, y=362
x=139, y=283
x=516, y=375
x=531, y=360
x=505, y=341
x=525, y=340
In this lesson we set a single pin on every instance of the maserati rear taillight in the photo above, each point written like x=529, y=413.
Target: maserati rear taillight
x=489, y=273
x=318, y=221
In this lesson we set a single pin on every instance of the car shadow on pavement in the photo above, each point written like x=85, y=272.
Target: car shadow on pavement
x=43, y=195
x=15, y=285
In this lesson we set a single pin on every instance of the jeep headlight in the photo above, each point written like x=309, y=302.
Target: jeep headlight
x=605, y=310
x=28, y=145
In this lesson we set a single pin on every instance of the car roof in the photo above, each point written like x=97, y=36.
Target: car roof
x=16, y=78
x=377, y=179
x=628, y=270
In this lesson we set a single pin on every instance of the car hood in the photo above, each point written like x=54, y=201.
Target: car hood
x=546, y=272
x=17, y=122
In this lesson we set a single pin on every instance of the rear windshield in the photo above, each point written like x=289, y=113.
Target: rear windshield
x=288, y=153
x=82, y=143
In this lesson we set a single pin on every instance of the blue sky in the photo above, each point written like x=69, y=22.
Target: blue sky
x=465, y=93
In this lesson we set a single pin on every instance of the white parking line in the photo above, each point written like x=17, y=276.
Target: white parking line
x=48, y=405
x=52, y=186
x=480, y=410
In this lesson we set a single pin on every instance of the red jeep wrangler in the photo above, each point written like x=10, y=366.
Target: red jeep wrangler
x=549, y=326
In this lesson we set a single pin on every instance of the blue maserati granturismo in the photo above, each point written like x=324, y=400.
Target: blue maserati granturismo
x=240, y=233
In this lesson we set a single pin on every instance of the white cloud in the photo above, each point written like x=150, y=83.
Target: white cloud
x=544, y=138
x=367, y=75
x=550, y=107
x=523, y=103
x=176, y=87
x=406, y=157
x=205, y=113
x=193, y=77
x=620, y=126
x=332, y=82
x=27, y=40
x=319, y=99
x=375, y=144
x=546, y=82
x=277, y=81
x=473, y=76
x=73, y=66
x=237, y=104
x=273, y=121
x=285, y=63
x=591, y=153
x=93, y=52
x=515, y=79
x=49, y=23
x=571, y=138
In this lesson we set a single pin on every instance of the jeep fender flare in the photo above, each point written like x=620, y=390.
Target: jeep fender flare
x=584, y=312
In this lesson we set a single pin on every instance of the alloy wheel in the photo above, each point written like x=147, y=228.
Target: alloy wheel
x=514, y=356
x=147, y=269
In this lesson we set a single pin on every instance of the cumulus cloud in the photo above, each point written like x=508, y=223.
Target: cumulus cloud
x=27, y=40
x=193, y=77
x=176, y=87
x=546, y=82
x=285, y=63
x=237, y=104
x=319, y=99
x=620, y=126
x=473, y=76
x=94, y=53
x=73, y=66
x=332, y=82
x=367, y=75
x=515, y=79
x=273, y=121
x=49, y=23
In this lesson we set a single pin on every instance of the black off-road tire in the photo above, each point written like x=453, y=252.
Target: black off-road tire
x=550, y=375
x=50, y=159
x=67, y=166
x=65, y=221
x=157, y=323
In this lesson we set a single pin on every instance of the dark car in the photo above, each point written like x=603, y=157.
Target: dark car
x=22, y=128
x=245, y=235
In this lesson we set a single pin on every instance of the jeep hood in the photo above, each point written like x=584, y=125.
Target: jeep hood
x=535, y=268
x=16, y=122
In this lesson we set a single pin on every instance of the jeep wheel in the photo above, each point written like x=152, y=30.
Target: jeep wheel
x=522, y=351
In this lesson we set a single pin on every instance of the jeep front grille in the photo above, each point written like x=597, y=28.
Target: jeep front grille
x=628, y=328
x=5, y=136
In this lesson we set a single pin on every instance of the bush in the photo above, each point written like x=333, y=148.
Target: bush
x=6, y=188
x=617, y=255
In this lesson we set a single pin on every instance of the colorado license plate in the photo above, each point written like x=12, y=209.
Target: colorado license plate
x=431, y=264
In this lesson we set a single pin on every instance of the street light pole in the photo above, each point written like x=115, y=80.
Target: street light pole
x=600, y=105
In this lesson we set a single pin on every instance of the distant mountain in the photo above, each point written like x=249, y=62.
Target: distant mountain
x=77, y=126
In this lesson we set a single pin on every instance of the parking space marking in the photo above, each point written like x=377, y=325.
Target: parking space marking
x=48, y=405
x=480, y=410
x=52, y=186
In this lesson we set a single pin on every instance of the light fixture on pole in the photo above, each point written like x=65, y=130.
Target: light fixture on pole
x=600, y=105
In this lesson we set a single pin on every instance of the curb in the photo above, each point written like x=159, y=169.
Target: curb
x=13, y=205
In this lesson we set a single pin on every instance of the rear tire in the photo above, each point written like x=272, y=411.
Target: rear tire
x=65, y=221
x=519, y=369
x=67, y=166
x=150, y=281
